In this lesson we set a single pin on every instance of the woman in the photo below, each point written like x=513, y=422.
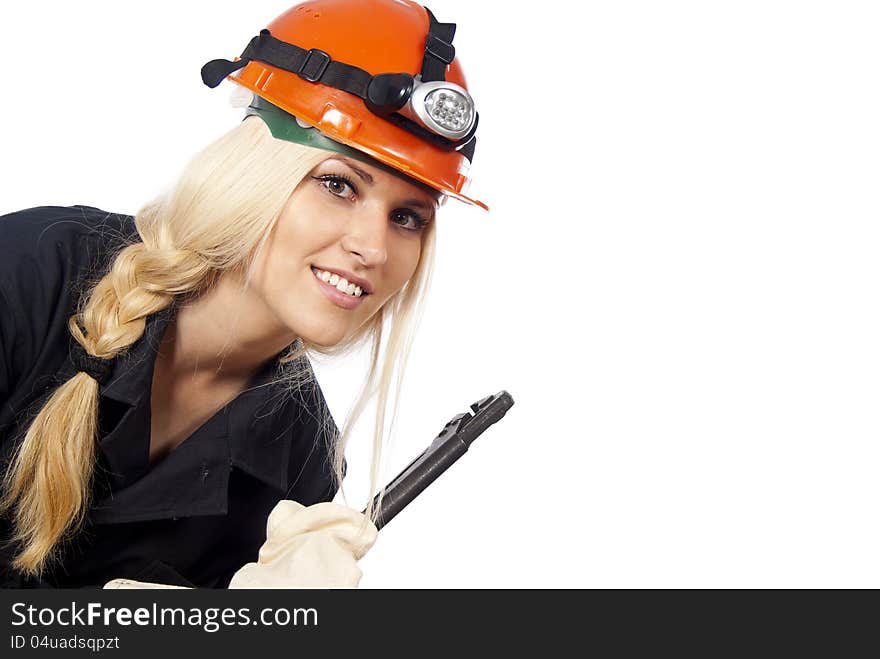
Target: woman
x=157, y=401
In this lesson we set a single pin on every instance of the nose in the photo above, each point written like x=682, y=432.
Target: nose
x=367, y=238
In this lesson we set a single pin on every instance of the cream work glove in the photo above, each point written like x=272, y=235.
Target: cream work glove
x=310, y=547
x=126, y=584
x=306, y=547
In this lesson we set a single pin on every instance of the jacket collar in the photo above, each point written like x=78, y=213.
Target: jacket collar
x=254, y=433
x=132, y=377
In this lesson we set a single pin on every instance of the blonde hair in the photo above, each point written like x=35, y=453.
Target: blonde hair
x=215, y=218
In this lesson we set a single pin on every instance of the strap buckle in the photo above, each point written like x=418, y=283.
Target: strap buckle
x=443, y=51
x=315, y=64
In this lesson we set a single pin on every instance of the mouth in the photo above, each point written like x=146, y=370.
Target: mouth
x=340, y=283
x=339, y=290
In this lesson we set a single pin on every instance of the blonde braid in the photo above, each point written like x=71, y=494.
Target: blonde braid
x=49, y=484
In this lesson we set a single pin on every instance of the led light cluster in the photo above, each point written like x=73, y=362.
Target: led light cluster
x=449, y=109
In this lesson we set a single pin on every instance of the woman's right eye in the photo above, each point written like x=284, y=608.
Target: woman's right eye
x=338, y=186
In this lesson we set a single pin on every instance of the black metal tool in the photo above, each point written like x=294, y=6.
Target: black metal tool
x=452, y=443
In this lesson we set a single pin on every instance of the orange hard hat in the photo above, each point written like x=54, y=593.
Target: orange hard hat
x=379, y=76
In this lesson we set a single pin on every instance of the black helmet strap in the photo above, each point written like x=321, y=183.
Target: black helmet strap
x=439, y=51
x=317, y=66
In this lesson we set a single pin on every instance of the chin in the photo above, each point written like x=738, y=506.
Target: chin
x=321, y=341
x=324, y=335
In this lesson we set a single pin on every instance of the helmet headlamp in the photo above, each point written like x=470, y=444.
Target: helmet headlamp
x=441, y=107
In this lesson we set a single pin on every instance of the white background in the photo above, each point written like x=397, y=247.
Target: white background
x=677, y=282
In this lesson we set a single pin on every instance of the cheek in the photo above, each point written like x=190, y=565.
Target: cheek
x=303, y=231
x=406, y=260
x=279, y=263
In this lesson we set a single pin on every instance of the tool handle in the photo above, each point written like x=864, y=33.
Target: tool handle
x=452, y=443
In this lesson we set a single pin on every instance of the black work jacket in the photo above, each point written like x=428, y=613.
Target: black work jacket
x=200, y=513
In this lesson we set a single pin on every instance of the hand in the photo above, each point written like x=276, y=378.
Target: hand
x=309, y=547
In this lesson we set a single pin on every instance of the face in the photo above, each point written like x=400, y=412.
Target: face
x=348, y=239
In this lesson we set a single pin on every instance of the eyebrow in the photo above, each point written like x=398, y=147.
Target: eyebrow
x=357, y=170
x=367, y=178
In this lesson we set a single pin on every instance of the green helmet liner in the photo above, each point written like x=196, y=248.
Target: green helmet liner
x=284, y=126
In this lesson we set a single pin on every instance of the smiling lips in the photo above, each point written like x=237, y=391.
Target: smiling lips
x=341, y=283
x=339, y=290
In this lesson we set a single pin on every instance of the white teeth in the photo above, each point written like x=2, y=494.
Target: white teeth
x=340, y=283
